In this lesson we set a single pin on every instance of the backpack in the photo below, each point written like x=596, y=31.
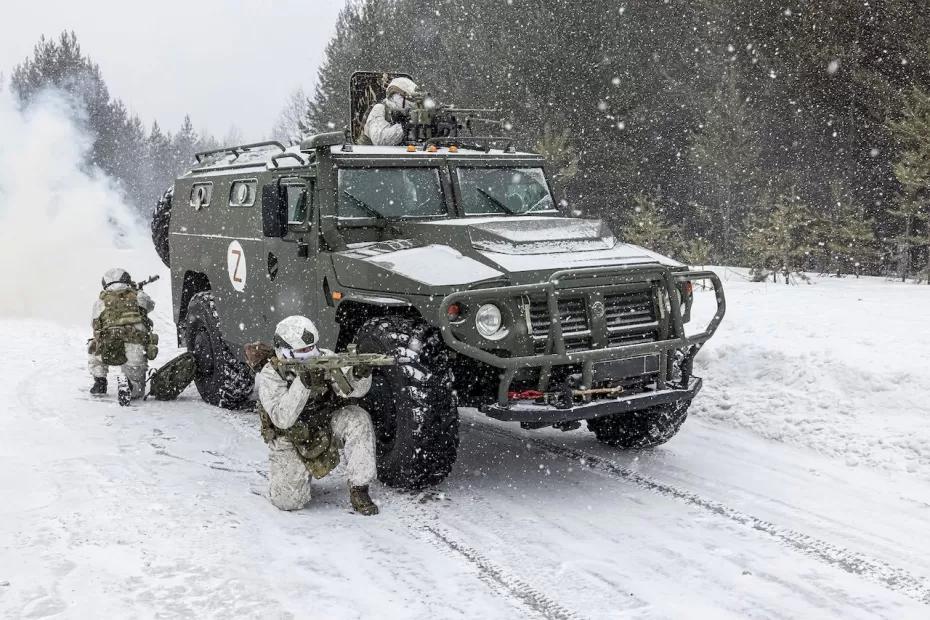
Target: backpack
x=173, y=377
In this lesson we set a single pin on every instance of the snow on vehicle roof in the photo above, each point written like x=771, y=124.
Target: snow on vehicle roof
x=258, y=158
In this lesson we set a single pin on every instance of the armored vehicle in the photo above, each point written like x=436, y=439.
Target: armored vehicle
x=450, y=252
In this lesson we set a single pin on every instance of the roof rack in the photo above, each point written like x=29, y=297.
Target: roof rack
x=239, y=150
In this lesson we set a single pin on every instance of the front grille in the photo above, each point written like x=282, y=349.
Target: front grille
x=629, y=318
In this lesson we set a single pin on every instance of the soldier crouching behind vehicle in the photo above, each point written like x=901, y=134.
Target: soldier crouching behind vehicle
x=306, y=419
x=122, y=335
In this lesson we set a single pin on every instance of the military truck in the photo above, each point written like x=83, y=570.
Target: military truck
x=449, y=251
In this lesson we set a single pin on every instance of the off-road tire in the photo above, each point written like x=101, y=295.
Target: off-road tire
x=221, y=378
x=412, y=405
x=643, y=429
x=161, y=219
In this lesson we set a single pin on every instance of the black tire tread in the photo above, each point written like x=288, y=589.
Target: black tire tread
x=423, y=389
x=237, y=382
x=643, y=429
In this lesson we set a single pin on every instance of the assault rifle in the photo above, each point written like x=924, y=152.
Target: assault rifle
x=321, y=367
x=141, y=285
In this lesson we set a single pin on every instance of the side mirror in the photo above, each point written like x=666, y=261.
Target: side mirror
x=274, y=211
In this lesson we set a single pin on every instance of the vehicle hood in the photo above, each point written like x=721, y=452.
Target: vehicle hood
x=454, y=253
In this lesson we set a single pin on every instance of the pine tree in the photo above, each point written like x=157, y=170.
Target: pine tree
x=183, y=146
x=846, y=233
x=726, y=151
x=159, y=161
x=560, y=153
x=912, y=169
x=782, y=240
x=288, y=127
x=648, y=225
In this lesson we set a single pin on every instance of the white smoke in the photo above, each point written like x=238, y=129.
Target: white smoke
x=62, y=221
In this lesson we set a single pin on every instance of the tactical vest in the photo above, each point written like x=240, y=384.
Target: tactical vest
x=116, y=327
x=311, y=434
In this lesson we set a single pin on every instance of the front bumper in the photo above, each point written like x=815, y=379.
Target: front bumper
x=583, y=281
x=533, y=415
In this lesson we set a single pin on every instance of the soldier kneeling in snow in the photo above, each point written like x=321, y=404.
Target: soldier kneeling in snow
x=122, y=335
x=306, y=420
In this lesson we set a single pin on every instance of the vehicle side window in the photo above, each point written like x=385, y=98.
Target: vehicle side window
x=298, y=203
x=242, y=193
x=201, y=193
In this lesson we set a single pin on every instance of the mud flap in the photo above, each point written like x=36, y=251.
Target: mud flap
x=173, y=377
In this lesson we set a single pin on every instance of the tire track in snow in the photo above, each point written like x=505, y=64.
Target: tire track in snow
x=877, y=571
x=499, y=579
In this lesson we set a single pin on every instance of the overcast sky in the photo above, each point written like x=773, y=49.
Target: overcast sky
x=226, y=63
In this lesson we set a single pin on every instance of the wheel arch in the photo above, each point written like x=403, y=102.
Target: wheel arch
x=194, y=282
x=352, y=314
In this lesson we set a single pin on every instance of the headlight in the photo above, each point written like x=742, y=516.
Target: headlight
x=488, y=321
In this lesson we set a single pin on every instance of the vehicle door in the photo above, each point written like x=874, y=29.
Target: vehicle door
x=296, y=272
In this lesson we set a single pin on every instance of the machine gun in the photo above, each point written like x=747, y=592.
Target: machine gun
x=332, y=366
x=140, y=285
x=431, y=121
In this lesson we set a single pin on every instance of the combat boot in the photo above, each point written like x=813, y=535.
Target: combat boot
x=361, y=500
x=100, y=386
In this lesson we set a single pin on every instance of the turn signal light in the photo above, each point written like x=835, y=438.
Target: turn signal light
x=337, y=295
x=453, y=311
x=689, y=287
x=431, y=148
x=453, y=149
x=411, y=148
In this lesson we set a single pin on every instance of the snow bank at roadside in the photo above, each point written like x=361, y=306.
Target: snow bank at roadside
x=838, y=365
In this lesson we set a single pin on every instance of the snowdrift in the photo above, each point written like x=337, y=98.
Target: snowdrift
x=841, y=365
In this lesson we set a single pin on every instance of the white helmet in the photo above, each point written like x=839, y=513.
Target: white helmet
x=296, y=337
x=403, y=85
x=115, y=276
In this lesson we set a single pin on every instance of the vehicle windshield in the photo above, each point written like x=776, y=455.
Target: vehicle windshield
x=508, y=191
x=390, y=193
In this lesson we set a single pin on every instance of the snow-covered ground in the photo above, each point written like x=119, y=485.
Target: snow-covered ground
x=838, y=365
x=798, y=490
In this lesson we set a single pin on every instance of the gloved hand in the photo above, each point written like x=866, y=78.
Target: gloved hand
x=400, y=116
x=361, y=372
x=311, y=379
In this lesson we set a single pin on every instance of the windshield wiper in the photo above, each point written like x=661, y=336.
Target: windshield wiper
x=497, y=203
x=364, y=205
x=538, y=203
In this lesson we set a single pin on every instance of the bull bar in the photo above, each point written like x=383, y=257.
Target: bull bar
x=574, y=281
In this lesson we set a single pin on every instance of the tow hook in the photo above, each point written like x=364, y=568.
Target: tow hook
x=564, y=398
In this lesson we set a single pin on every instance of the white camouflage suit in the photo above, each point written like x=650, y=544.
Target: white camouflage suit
x=381, y=131
x=137, y=363
x=289, y=479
